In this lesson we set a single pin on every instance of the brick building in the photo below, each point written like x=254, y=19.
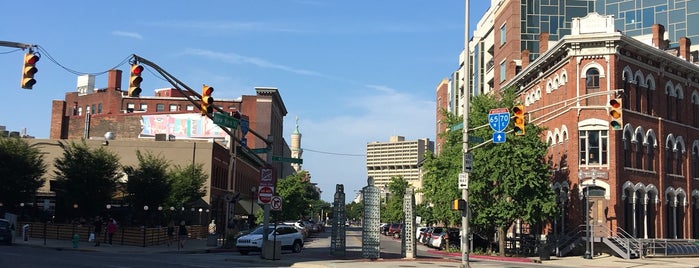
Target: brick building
x=169, y=123
x=642, y=179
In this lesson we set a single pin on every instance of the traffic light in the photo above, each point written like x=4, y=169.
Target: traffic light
x=135, y=80
x=207, y=102
x=458, y=204
x=518, y=110
x=28, y=70
x=617, y=122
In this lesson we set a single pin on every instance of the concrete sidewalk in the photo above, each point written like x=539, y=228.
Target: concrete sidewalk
x=316, y=253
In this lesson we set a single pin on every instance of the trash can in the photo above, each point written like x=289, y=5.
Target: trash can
x=212, y=240
x=544, y=253
x=272, y=250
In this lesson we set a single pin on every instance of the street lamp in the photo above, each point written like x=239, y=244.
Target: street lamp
x=145, y=216
x=160, y=215
x=200, y=210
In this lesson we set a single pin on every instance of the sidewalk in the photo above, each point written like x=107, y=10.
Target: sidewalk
x=316, y=253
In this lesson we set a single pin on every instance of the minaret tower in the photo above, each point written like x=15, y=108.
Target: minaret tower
x=296, y=150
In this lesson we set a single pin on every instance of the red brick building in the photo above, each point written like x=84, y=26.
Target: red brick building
x=642, y=179
x=170, y=124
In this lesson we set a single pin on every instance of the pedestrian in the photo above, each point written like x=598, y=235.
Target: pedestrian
x=170, y=232
x=98, y=230
x=111, y=229
x=182, y=234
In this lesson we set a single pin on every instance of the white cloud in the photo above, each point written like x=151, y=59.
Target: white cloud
x=240, y=59
x=127, y=34
x=374, y=117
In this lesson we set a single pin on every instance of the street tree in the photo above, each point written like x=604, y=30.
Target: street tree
x=22, y=167
x=440, y=177
x=393, y=211
x=85, y=179
x=510, y=180
x=148, y=183
x=186, y=184
x=298, y=195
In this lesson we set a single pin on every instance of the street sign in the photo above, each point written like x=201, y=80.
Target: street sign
x=499, y=137
x=225, y=120
x=276, y=203
x=287, y=159
x=264, y=194
x=259, y=150
x=498, y=119
x=475, y=139
x=468, y=162
x=267, y=178
x=463, y=181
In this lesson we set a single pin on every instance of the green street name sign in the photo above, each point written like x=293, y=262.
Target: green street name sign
x=287, y=159
x=225, y=120
x=475, y=139
x=259, y=150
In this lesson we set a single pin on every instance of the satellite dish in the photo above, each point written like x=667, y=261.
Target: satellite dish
x=109, y=136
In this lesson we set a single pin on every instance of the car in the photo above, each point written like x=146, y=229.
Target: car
x=5, y=232
x=430, y=235
x=384, y=229
x=439, y=240
x=395, y=230
x=288, y=235
x=418, y=231
x=301, y=226
x=424, y=234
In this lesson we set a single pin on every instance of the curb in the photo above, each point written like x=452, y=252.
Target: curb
x=486, y=257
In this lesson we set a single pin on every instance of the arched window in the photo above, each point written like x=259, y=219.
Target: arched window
x=592, y=78
x=638, y=151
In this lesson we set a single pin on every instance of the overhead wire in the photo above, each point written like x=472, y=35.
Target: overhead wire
x=332, y=153
x=11, y=51
x=48, y=55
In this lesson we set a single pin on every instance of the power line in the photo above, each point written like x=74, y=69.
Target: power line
x=332, y=153
x=11, y=51
x=48, y=55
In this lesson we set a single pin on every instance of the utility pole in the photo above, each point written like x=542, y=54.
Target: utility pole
x=467, y=99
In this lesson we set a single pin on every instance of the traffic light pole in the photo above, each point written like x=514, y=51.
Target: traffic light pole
x=16, y=44
x=467, y=99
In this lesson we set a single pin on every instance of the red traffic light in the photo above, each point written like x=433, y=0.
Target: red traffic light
x=28, y=70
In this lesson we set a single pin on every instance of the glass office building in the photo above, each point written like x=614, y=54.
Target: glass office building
x=552, y=16
x=635, y=17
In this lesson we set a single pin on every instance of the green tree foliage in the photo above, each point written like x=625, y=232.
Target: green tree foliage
x=510, y=180
x=186, y=184
x=298, y=195
x=354, y=211
x=393, y=211
x=22, y=167
x=440, y=178
x=148, y=183
x=86, y=177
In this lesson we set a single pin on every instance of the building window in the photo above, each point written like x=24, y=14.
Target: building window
x=94, y=111
x=695, y=164
x=159, y=107
x=87, y=109
x=593, y=147
x=502, y=71
x=143, y=107
x=190, y=107
x=80, y=111
x=174, y=107
x=503, y=35
x=592, y=78
x=99, y=108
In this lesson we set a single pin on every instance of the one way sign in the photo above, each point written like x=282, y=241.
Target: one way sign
x=276, y=203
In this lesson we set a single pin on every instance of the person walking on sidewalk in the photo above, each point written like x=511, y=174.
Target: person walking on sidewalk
x=98, y=230
x=111, y=229
x=182, y=234
x=170, y=232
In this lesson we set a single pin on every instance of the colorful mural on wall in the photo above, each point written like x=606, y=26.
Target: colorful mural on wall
x=180, y=126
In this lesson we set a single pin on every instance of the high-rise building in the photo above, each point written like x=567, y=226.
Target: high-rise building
x=397, y=157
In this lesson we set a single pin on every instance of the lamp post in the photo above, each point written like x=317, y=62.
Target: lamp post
x=200, y=210
x=145, y=215
x=160, y=215
x=21, y=212
x=251, y=217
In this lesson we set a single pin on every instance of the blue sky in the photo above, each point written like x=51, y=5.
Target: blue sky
x=352, y=71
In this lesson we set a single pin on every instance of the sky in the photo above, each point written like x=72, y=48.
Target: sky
x=353, y=72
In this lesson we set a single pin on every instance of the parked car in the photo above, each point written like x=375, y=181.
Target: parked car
x=424, y=234
x=288, y=235
x=430, y=235
x=384, y=229
x=5, y=232
x=419, y=230
x=395, y=230
x=452, y=235
x=301, y=226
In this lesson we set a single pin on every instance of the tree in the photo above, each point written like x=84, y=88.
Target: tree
x=298, y=195
x=510, y=181
x=148, y=184
x=440, y=178
x=22, y=167
x=86, y=179
x=393, y=211
x=186, y=184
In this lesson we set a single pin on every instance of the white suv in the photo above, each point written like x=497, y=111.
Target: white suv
x=289, y=237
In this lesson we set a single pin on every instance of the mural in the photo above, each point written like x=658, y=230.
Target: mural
x=181, y=126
